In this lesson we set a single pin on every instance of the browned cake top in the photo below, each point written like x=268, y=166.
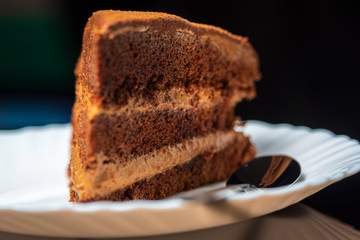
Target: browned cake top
x=108, y=20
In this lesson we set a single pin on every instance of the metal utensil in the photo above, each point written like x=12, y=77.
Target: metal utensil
x=267, y=172
x=259, y=173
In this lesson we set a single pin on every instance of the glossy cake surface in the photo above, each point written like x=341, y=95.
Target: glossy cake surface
x=154, y=109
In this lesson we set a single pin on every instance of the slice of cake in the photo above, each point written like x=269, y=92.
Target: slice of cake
x=154, y=109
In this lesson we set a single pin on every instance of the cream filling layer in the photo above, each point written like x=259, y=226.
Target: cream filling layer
x=174, y=98
x=107, y=178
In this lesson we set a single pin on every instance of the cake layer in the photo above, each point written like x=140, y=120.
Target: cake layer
x=140, y=56
x=141, y=132
x=206, y=167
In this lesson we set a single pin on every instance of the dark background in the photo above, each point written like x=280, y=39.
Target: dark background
x=309, y=53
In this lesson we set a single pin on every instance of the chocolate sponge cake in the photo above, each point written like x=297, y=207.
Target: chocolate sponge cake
x=154, y=109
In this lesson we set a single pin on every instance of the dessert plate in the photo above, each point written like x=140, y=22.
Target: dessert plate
x=34, y=193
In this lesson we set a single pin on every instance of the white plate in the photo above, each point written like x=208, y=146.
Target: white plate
x=34, y=193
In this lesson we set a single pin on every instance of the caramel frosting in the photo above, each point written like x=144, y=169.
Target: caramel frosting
x=114, y=22
x=175, y=98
